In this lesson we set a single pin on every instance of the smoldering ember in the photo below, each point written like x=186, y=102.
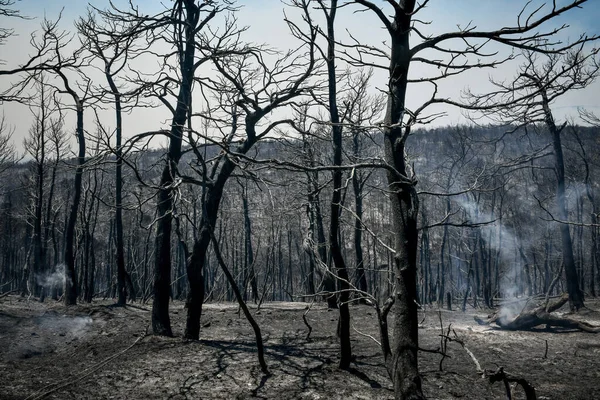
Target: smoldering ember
x=301, y=199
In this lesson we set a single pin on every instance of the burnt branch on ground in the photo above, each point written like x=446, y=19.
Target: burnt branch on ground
x=541, y=315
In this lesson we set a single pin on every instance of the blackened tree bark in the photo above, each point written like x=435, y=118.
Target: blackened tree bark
x=48, y=56
x=403, y=364
x=360, y=113
x=240, y=73
x=197, y=260
x=121, y=272
x=575, y=293
x=318, y=229
x=182, y=26
x=70, y=286
x=59, y=143
x=89, y=223
x=336, y=198
x=249, y=271
x=441, y=271
x=310, y=239
x=396, y=129
x=161, y=323
x=222, y=169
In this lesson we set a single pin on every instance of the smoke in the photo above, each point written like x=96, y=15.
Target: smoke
x=575, y=193
x=78, y=326
x=502, y=240
x=50, y=332
x=73, y=327
x=52, y=279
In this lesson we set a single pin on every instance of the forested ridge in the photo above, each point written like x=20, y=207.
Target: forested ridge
x=497, y=224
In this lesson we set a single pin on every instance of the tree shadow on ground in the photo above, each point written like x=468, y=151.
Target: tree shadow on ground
x=295, y=367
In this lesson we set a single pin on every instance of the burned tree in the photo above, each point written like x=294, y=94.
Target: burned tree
x=449, y=48
x=248, y=92
x=526, y=101
x=49, y=55
x=183, y=28
x=336, y=198
x=115, y=53
x=191, y=19
x=361, y=110
x=541, y=315
x=37, y=145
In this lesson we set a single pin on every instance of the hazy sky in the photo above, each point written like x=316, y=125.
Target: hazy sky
x=265, y=21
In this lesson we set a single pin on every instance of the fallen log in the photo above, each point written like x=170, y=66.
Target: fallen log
x=541, y=315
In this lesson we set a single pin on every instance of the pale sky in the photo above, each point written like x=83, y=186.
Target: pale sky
x=265, y=21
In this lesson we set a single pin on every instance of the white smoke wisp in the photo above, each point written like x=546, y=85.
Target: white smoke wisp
x=73, y=327
x=79, y=326
x=510, y=310
x=504, y=243
x=575, y=193
x=52, y=279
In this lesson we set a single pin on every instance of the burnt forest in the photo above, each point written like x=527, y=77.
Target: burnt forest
x=376, y=200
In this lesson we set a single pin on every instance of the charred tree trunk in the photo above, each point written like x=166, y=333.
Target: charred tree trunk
x=336, y=198
x=404, y=207
x=38, y=244
x=404, y=213
x=161, y=323
x=70, y=286
x=210, y=208
x=196, y=263
x=90, y=228
x=541, y=315
x=328, y=281
x=426, y=280
x=249, y=251
x=311, y=221
x=357, y=185
x=120, y=245
x=445, y=248
x=575, y=293
x=51, y=215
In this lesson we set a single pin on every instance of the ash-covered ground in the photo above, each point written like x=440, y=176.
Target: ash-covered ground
x=96, y=351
